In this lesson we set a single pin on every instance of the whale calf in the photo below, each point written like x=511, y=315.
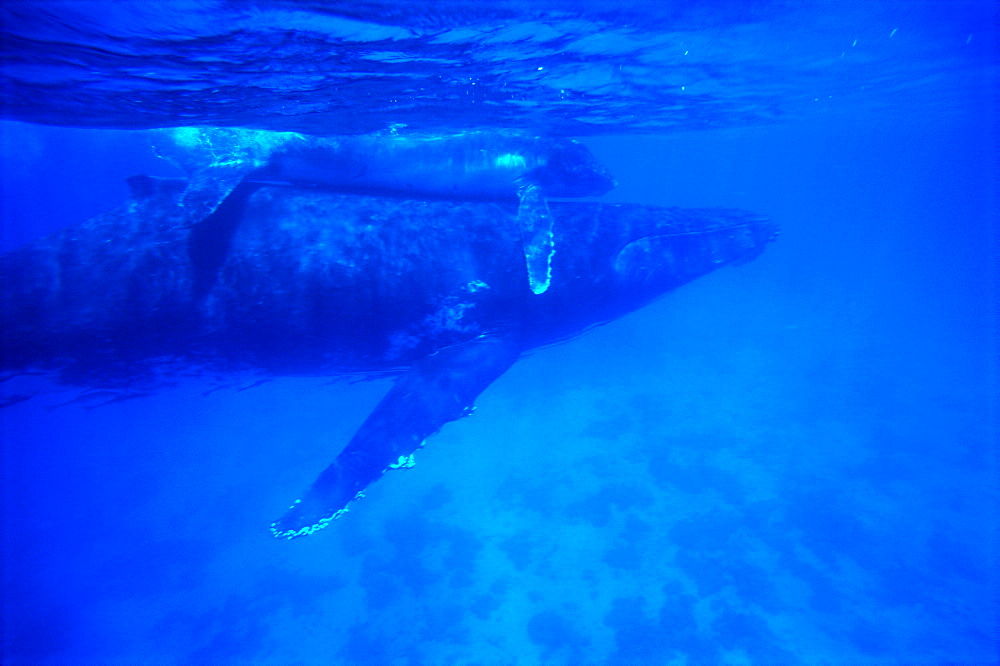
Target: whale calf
x=295, y=281
x=472, y=164
x=469, y=165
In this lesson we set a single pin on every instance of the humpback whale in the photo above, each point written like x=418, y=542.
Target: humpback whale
x=301, y=281
x=469, y=165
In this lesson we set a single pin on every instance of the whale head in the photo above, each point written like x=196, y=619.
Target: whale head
x=611, y=259
x=683, y=244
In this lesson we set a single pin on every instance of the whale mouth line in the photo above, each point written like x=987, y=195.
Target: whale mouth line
x=699, y=232
x=647, y=251
x=752, y=225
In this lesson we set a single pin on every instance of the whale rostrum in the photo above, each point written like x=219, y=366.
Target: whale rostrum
x=297, y=281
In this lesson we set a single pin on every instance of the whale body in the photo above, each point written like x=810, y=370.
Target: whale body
x=303, y=282
x=464, y=165
x=471, y=165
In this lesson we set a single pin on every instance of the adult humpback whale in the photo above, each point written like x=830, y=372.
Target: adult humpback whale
x=469, y=165
x=294, y=281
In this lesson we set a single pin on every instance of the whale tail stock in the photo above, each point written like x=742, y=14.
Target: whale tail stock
x=440, y=388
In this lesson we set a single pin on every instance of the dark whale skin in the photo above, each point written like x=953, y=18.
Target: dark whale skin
x=296, y=281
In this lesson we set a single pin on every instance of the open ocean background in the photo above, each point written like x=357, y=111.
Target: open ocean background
x=789, y=462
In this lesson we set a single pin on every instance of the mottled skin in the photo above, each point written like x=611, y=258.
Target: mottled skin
x=293, y=281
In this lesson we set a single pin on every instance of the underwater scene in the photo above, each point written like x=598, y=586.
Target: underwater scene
x=514, y=332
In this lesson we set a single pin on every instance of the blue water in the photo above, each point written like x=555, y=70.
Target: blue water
x=790, y=461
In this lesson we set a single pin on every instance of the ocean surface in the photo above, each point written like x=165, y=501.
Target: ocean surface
x=792, y=461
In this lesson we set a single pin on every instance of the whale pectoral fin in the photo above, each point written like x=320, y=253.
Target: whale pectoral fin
x=438, y=389
x=535, y=221
x=216, y=160
x=210, y=186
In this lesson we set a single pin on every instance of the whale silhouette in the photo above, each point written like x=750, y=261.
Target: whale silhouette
x=295, y=281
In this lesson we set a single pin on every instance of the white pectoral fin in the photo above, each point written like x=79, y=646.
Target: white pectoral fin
x=216, y=160
x=535, y=221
